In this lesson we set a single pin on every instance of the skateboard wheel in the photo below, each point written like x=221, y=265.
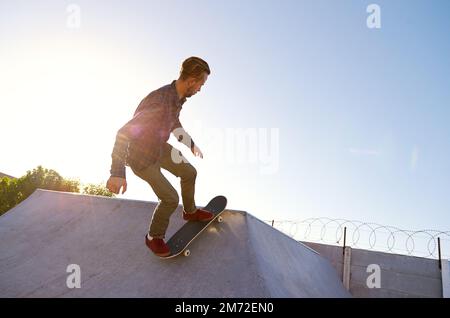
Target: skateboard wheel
x=220, y=219
x=187, y=253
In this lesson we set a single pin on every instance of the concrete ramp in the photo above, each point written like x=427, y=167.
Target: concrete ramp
x=241, y=257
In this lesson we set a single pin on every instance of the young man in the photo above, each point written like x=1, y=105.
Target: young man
x=142, y=145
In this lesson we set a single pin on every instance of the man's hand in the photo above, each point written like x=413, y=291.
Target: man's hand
x=197, y=152
x=115, y=183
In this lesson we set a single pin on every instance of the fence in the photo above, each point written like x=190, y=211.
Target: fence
x=371, y=236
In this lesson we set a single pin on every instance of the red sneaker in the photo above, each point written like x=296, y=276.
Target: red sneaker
x=198, y=215
x=157, y=246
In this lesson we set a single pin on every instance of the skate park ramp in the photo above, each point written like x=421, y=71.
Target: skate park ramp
x=44, y=235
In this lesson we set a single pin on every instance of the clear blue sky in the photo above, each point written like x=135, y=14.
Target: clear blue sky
x=362, y=114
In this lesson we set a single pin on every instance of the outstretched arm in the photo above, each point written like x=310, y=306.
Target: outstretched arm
x=118, y=179
x=182, y=136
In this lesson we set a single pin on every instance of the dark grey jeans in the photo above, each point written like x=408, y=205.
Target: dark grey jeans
x=166, y=193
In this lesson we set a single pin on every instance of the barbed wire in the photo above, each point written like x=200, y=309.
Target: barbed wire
x=367, y=235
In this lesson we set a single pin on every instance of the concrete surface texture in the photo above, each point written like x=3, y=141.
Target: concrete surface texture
x=400, y=276
x=241, y=257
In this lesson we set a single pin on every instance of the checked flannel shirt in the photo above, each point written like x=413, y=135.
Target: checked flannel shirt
x=139, y=142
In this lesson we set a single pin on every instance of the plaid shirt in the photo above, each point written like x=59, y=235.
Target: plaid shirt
x=139, y=142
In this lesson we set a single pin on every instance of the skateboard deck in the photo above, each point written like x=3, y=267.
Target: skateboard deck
x=180, y=241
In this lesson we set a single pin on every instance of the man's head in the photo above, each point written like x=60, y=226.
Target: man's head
x=194, y=73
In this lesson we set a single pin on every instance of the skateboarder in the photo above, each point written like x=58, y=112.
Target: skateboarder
x=142, y=145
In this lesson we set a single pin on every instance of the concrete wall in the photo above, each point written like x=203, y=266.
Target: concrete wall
x=400, y=276
x=446, y=278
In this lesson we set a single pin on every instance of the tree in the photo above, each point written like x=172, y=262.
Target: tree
x=97, y=189
x=9, y=196
x=14, y=191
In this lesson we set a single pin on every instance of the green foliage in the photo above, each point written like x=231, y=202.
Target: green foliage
x=9, y=196
x=14, y=191
x=97, y=189
x=46, y=179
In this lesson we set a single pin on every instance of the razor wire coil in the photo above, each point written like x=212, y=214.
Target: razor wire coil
x=366, y=235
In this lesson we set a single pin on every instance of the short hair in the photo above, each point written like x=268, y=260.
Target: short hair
x=194, y=67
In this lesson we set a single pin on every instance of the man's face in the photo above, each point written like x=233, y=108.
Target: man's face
x=195, y=85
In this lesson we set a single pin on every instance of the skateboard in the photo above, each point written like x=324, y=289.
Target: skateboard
x=179, y=242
